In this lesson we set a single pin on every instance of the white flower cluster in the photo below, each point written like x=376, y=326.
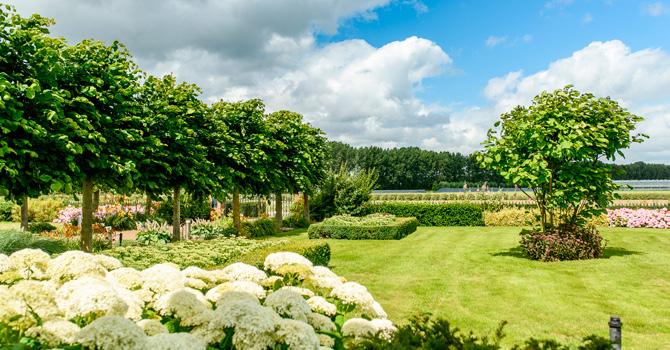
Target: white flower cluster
x=122, y=308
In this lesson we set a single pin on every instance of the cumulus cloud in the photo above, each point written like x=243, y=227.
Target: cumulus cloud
x=639, y=80
x=238, y=49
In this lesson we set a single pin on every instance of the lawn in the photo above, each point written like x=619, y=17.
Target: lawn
x=476, y=278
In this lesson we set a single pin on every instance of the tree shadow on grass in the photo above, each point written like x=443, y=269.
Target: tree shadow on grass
x=517, y=252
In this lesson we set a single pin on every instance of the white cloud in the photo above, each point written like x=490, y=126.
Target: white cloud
x=655, y=9
x=238, y=49
x=493, y=41
x=637, y=79
x=587, y=18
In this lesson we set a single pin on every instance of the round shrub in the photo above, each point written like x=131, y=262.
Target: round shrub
x=563, y=243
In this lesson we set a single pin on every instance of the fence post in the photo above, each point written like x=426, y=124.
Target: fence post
x=187, y=234
x=615, y=332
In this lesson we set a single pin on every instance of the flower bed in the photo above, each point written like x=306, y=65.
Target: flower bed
x=92, y=301
x=652, y=218
x=375, y=226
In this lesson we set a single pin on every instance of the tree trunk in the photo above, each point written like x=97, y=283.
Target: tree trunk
x=86, y=243
x=278, y=209
x=236, y=210
x=176, y=215
x=96, y=200
x=147, y=206
x=24, y=213
x=305, y=199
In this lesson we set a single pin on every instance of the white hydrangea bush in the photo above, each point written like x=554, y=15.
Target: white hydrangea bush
x=85, y=301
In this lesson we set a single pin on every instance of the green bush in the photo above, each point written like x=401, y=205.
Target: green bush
x=343, y=192
x=153, y=233
x=6, y=208
x=40, y=227
x=43, y=209
x=433, y=214
x=258, y=228
x=318, y=252
x=12, y=241
x=201, y=253
x=510, y=217
x=374, y=226
x=563, y=243
x=424, y=332
x=212, y=229
x=296, y=221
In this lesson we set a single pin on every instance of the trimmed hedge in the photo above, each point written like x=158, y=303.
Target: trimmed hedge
x=373, y=226
x=434, y=214
x=318, y=252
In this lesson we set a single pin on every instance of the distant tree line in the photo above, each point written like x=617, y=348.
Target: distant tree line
x=642, y=171
x=411, y=167
x=407, y=168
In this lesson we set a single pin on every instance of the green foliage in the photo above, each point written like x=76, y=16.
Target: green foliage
x=429, y=214
x=318, y=252
x=212, y=229
x=33, y=155
x=299, y=154
x=296, y=218
x=6, y=208
x=554, y=147
x=152, y=233
x=191, y=208
x=201, y=253
x=563, y=243
x=43, y=209
x=510, y=217
x=176, y=130
x=12, y=241
x=40, y=227
x=343, y=192
x=260, y=227
x=412, y=168
x=426, y=333
x=241, y=148
x=374, y=226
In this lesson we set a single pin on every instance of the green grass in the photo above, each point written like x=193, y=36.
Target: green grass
x=476, y=277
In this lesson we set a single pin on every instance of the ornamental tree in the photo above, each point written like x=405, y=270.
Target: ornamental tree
x=176, y=156
x=299, y=157
x=555, y=147
x=102, y=120
x=241, y=149
x=33, y=158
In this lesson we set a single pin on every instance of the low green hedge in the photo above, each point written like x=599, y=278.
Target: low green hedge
x=201, y=253
x=434, y=214
x=318, y=252
x=373, y=226
x=217, y=252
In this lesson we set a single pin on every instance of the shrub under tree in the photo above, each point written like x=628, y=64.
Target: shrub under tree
x=555, y=148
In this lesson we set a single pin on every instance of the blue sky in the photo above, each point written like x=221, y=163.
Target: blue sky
x=433, y=74
x=551, y=30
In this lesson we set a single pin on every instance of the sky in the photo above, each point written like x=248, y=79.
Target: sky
x=391, y=73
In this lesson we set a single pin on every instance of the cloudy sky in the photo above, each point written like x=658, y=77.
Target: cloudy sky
x=434, y=74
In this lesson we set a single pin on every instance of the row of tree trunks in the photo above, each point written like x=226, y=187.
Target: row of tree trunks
x=24, y=213
x=176, y=214
x=86, y=243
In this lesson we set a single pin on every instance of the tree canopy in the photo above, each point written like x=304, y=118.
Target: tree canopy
x=555, y=147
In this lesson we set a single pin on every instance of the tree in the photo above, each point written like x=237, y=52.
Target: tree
x=240, y=149
x=555, y=146
x=34, y=159
x=297, y=159
x=176, y=154
x=102, y=120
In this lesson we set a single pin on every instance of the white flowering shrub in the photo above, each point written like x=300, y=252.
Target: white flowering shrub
x=83, y=301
